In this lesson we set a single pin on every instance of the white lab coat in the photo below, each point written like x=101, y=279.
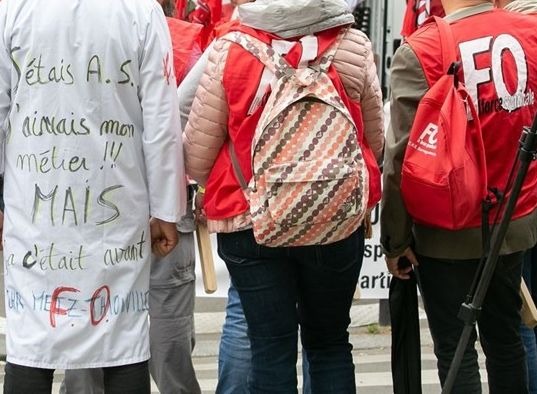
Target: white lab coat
x=92, y=149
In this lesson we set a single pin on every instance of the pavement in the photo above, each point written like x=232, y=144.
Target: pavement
x=371, y=352
x=208, y=325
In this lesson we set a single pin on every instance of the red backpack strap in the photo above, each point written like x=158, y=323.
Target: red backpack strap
x=447, y=43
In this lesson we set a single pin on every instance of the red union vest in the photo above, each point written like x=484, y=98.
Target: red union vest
x=242, y=75
x=498, y=56
x=417, y=12
x=186, y=45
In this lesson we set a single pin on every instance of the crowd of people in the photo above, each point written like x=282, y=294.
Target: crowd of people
x=124, y=123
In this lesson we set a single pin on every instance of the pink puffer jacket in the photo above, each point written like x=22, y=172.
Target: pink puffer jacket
x=206, y=130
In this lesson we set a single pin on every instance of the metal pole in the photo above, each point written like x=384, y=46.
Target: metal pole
x=470, y=310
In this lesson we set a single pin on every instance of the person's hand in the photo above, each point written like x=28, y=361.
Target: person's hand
x=164, y=236
x=402, y=272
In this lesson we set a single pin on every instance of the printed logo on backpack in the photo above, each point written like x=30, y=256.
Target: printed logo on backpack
x=310, y=181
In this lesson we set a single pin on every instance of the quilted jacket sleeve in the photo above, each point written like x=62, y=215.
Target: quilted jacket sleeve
x=206, y=129
x=356, y=66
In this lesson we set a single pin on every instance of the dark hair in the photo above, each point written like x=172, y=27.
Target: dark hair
x=168, y=6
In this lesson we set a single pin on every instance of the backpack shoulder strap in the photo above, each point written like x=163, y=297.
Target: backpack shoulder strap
x=325, y=60
x=263, y=52
x=447, y=43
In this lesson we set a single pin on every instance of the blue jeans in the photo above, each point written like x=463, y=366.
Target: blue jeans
x=529, y=273
x=279, y=289
x=235, y=355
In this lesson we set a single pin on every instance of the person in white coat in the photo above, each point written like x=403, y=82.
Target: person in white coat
x=92, y=150
x=171, y=298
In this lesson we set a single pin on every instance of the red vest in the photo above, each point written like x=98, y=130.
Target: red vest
x=186, y=45
x=209, y=14
x=224, y=197
x=227, y=12
x=417, y=11
x=498, y=53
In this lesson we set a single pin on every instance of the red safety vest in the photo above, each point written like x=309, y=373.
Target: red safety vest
x=498, y=56
x=227, y=12
x=417, y=11
x=224, y=197
x=186, y=45
x=209, y=14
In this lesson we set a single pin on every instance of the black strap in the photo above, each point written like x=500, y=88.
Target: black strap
x=454, y=70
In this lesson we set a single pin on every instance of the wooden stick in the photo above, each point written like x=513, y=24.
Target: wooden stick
x=529, y=311
x=206, y=257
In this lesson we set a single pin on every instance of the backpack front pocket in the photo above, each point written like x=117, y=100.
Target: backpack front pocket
x=313, y=192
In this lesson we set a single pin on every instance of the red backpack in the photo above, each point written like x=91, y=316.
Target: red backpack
x=444, y=174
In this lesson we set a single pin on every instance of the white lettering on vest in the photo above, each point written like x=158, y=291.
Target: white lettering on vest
x=505, y=42
x=474, y=77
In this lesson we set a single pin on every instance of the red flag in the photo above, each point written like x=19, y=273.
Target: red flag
x=417, y=12
x=207, y=12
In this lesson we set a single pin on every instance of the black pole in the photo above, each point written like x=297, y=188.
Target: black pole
x=470, y=310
